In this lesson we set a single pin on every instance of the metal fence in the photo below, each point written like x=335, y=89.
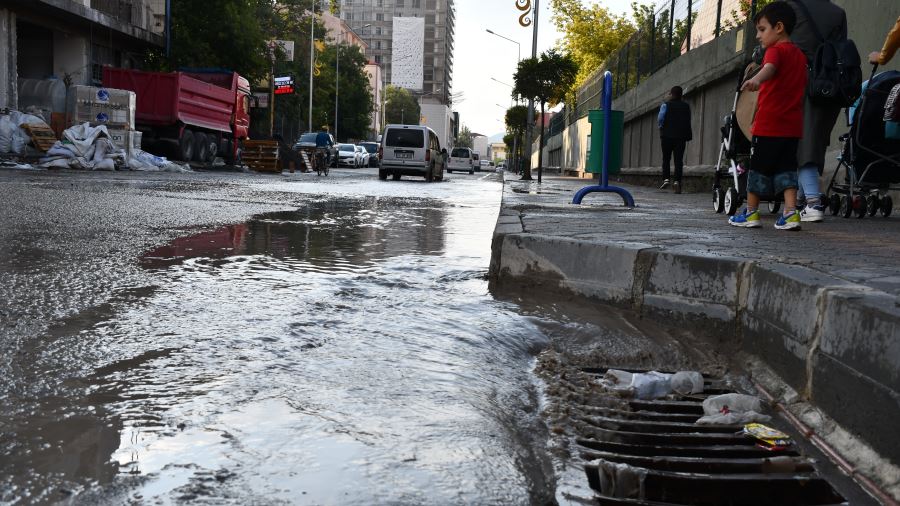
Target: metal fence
x=660, y=39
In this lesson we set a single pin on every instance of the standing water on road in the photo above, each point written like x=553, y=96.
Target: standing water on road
x=346, y=352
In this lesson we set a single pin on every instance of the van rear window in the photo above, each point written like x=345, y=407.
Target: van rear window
x=460, y=153
x=402, y=138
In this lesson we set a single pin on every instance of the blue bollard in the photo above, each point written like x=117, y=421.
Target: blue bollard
x=604, y=186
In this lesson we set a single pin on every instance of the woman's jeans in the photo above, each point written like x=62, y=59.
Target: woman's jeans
x=808, y=177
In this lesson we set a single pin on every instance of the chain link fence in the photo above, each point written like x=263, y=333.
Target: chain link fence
x=660, y=39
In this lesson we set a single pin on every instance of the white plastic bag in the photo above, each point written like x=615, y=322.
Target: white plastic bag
x=649, y=385
x=687, y=382
x=6, y=132
x=732, y=409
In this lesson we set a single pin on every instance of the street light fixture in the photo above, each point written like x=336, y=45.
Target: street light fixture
x=488, y=30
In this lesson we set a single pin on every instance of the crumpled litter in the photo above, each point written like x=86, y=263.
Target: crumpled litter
x=732, y=409
x=13, y=138
x=648, y=385
x=687, y=382
x=142, y=160
x=84, y=147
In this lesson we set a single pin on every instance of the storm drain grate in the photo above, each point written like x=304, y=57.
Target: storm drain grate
x=641, y=452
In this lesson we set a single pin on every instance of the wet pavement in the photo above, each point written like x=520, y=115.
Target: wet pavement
x=239, y=338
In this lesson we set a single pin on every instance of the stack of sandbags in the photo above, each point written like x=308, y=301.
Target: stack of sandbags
x=14, y=136
x=84, y=147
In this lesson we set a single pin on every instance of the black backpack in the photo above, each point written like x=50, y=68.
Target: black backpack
x=835, y=73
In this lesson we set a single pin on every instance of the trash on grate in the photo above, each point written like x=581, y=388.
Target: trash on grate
x=732, y=409
x=621, y=480
x=769, y=438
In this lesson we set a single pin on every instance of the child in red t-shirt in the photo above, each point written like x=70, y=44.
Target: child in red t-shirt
x=778, y=124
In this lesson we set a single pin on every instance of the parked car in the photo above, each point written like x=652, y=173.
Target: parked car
x=372, y=149
x=461, y=160
x=307, y=141
x=410, y=150
x=487, y=164
x=476, y=161
x=347, y=155
x=363, y=156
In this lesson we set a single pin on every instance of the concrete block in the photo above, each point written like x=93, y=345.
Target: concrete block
x=861, y=329
x=695, y=288
x=781, y=314
x=863, y=407
x=603, y=271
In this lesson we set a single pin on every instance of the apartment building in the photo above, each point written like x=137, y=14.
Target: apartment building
x=374, y=21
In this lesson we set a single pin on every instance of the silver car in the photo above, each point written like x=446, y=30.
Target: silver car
x=410, y=150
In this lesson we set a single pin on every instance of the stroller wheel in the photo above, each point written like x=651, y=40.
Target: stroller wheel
x=732, y=201
x=887, y=204
x=834, y=204
x=859, y=206
x=774, y=207
x=718, y=200
x=872, y=205
x=846, y=206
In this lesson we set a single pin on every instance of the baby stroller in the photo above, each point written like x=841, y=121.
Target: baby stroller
x=870, y=159
x=734, y=155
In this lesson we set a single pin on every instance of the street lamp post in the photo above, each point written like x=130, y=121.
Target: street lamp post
x=518, y=59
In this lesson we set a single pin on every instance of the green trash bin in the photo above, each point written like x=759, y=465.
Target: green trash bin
x=617, y=128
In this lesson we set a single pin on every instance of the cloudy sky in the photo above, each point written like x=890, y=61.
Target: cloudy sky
x=479, y=56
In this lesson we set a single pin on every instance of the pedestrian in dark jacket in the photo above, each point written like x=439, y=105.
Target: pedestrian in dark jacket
x=674, y=131
x=818, y=119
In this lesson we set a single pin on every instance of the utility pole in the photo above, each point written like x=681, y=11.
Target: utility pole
x=312, y=61
x=530, y=128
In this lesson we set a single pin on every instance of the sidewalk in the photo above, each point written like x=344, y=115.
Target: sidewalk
x=819, y=307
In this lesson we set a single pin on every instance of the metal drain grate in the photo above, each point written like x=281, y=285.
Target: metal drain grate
x=655, y=451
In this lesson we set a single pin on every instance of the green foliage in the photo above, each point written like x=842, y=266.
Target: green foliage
x=546, y=80
x=465, y=138
x=227, y=33
x=515, y=119
x=738, y=17
x=590, y=33
x=400, y=107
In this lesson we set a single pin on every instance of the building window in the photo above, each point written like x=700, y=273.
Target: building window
x=399, y=3
x=379, y=17
x=417, y=4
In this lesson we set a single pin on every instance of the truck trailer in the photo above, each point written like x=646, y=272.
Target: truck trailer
x=201, y=114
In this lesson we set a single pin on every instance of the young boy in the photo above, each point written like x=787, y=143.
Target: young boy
x=778, y=124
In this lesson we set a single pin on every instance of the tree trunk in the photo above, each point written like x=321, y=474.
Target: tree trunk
x=525, y=155
x=541, y=145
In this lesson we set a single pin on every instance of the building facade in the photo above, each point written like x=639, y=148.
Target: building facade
x=71, y=40
x=373, y=20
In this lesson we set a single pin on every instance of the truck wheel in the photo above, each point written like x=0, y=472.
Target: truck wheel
x=429, y=177
x=382, y=174
x=201, y=147
x=212, y=148
x=186, y=146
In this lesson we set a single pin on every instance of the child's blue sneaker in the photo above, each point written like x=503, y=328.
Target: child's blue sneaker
x=746, y=220
x=789, y=222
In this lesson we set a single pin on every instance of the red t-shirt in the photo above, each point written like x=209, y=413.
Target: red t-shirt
x=779, y=112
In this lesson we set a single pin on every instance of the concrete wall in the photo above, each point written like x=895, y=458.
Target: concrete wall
x=71, y=56
x=708, y=75
x=8, y=69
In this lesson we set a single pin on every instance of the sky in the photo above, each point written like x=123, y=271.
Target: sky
x=480, y=56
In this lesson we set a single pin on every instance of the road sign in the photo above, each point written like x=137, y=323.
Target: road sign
x=288, y=47
x=284, y=85
x=262, y=100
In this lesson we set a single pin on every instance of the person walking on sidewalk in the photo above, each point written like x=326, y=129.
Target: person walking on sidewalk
x=830, y=21
x=778, y=124
x=674, y=131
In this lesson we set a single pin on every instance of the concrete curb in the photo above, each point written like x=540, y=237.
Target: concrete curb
x=834, y=342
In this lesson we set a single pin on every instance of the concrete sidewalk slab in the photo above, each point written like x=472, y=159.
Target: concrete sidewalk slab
x=820, y=307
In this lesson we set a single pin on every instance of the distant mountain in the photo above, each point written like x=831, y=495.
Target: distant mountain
x=496, y=137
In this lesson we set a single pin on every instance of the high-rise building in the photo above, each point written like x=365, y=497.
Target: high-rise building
x=374, y=21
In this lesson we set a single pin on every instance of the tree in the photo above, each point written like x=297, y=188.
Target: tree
x=400, y=107
x=590, y=34
x=546, y=80
x=465, y=138
x=516, y=120
x=236, y=40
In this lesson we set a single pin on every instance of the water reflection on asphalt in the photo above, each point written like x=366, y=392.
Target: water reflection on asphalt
x=345, y=352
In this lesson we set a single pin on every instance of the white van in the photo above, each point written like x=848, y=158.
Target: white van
x=410, y=150
x=461, y=159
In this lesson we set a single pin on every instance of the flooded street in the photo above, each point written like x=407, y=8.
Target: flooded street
x=345, y=352
x=342, y=349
